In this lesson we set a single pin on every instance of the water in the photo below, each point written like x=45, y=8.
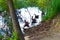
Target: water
x=3, y=27
x=25, y=14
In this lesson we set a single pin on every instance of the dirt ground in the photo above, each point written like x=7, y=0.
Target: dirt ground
x=48, y=30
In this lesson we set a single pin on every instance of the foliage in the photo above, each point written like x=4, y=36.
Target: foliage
x=49, y=6
x=24, y=3
x=52, y=9
x=15, y=36
x=3, y=5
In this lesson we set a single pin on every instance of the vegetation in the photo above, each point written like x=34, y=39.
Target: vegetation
x=48, y=6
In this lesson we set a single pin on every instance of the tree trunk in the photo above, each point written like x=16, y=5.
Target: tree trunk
x=15, y=20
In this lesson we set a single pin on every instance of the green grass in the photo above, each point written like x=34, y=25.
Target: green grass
x=52, y=8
